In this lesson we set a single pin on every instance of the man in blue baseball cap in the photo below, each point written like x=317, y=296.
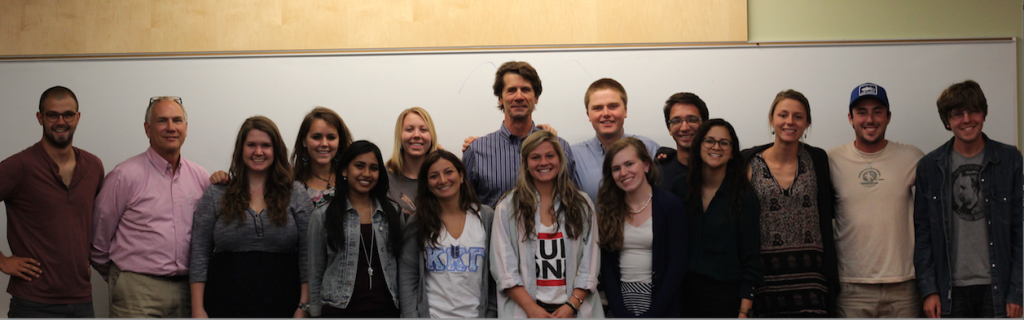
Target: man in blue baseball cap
x=873, y=178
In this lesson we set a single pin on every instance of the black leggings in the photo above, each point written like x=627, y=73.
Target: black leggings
x=332, y=312
x=707, y=298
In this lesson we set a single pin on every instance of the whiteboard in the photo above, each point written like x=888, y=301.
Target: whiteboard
x=369, y=90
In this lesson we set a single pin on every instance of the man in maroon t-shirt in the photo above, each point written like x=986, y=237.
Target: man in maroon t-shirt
x=49, y=189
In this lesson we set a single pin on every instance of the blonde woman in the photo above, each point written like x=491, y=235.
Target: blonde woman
x=545, y=258
x=414, y=139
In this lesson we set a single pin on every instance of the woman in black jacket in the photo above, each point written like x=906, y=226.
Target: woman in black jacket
x=724, y=213
x=794, y=185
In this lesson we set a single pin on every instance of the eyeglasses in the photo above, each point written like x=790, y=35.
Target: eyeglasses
x=154, y=100
x=690, y=119
x=710, y=143
x=957, y=115
x=68, y=116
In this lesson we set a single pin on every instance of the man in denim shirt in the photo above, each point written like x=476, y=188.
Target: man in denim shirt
x=967, y=216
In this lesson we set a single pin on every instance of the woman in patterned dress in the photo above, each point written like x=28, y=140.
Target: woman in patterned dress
x=793, y=183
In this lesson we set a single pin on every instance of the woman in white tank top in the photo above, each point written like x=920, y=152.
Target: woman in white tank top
x=643, y=234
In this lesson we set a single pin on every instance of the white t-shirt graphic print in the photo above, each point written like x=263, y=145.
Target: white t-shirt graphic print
x=455, y=270
x=551, y=266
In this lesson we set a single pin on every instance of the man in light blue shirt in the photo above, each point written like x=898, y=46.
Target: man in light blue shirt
x=605, y=103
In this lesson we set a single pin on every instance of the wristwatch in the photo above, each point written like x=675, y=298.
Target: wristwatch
x=305, y=307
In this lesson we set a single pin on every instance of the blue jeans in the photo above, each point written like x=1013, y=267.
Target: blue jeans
x=21, y=308
x=972, y=302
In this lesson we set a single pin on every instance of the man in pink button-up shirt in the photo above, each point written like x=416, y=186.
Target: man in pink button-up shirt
x=143, y=220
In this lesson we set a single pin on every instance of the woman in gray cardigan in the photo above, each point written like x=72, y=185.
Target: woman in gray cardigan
x=443, y=269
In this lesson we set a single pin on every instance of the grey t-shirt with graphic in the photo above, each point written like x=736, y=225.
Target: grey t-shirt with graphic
x=402, y=190
x=969, y=245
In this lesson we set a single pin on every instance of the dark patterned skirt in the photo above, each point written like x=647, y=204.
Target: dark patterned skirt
x=794, y=284
x=252, y=285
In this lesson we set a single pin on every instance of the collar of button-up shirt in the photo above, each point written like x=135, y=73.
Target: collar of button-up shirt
x=143, y=217
x=512, y=138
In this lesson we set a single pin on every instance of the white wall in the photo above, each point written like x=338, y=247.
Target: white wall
x=738, y=84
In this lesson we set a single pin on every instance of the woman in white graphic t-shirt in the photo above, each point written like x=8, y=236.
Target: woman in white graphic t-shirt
x=543, y=254
x=444, y=270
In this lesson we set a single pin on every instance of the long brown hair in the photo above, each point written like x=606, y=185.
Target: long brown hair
x=428, y=208
x=300, y=155
x=574, y=210
x=611, y=200
x=277, y=190
x=735, y=169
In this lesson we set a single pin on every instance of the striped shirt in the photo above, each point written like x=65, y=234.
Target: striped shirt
x=492, y=163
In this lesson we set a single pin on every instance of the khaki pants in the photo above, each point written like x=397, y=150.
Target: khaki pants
x=134, y=295
x=883, y=300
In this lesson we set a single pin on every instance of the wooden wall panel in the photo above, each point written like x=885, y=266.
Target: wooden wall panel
x=59, y=27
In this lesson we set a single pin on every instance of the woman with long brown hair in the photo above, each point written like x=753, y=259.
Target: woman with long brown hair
x=724, y=220
x=444, y=269
x=544, y=258
x=249, y=237
x=643, y=234
x=322, y=138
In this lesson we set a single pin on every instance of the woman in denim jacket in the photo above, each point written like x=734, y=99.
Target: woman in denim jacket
x=354, y=242
x=444, y=270
x=544, y=255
